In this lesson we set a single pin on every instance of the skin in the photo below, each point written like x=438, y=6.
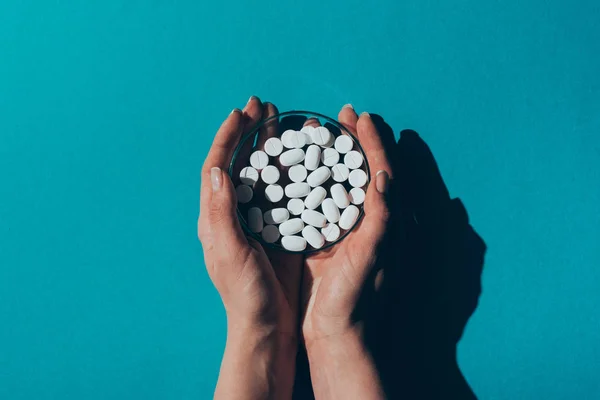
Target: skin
x=275, y=300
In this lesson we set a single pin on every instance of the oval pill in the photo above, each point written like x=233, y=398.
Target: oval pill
x=259, y=159
x=270, y=233
x=291, y=157
x=357, y=196
x=270, y=174
x=255, y=219
x=318, y=176
x=273, y=147
x=313, y=155
x=353, y=159
x=321, y=136
x=343, y=144
x=313, y=237
x=339, y=172
x=273, y=193
x=293, y=243
x=297, y=189
x=276, y=216
x=330, y=157
x=314, y=218
x=244, y=193
x=349, y=217
x=291, y=226
x=357, y=178
x=297, y=173
x=249, y=176
x=315, y=198
x=295, y=206
x=339, y=195
x=331, y=232
x=331, y=210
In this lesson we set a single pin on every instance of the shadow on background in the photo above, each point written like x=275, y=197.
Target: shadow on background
x=432, y=267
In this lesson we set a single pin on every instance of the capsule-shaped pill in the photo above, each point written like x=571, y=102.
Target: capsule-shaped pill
x=339, y=195
x=331, y=210
x=276, y=216
x=313, y=237
x=291, y=227
x=293, y=243
x=315, y=198
x=313, y=155
x=349, y=217
x=296, y=190
x=291, y=157
x=318, y=176
x=314, y=218
x=255, y=219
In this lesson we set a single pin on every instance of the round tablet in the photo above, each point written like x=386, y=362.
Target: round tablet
x=270, y=233
x=248, y=176
x=270, y=174
x=259, y=159
x=357, y=196
x=293, y=139
x=321, y=136
x=244, y=193
x=273, y=193
x=353, y=159
x=330, y=157
x=297, y=173
x=295, y=206
x=308, y=131
x=343, y=144
x=331, y=232
x=273, y=147
x=357, y=178
x=339, y=172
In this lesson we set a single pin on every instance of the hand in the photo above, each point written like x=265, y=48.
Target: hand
x=259, y=290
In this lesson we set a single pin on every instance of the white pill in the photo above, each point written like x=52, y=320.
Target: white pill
x=344, y=144
x=331, y=210
x=270, y=174
x=349, y=217
x=244, y=193
x=339, y=172
x=353, y=159
x=297, y=173
x=330, y=157
x=321, y=136
x=293, y=243
x=313, y=156
x=273, y=147
x=330, y=142
x=249, y=176
x=255, y=219
x=273, y=193
x=276, y=216
x=295, y=206
x=296, y=190
x=339, y=195
x=308, y=131
x=318, y=176
x=259, y=159
x=315, y=198
x=314, y=218
x=357, y=178
x=270, y=233
x=331, y=232
x=357, y=196
x=291, y=157
x=313, y=237
x=293, y=139
x=291, y=226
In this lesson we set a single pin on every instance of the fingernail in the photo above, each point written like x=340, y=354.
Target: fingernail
x=236, y=110
x=215, y=178
x=382, y=180
x=252, y=98
x=365, y=114
x=348, y=106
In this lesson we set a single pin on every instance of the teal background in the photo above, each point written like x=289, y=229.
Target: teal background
x=108, y=108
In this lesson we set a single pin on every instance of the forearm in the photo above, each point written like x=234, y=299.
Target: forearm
x=257, y=364
x=342, y=368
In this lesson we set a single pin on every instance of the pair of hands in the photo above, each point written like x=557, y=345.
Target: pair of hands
x=276, y=300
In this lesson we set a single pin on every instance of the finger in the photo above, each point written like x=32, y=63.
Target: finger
x=348, y=117
x=252, y=114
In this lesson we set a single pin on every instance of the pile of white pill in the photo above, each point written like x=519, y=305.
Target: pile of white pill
x=303, y=188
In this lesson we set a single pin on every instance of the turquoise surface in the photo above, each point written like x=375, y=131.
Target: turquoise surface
x=108, y=108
